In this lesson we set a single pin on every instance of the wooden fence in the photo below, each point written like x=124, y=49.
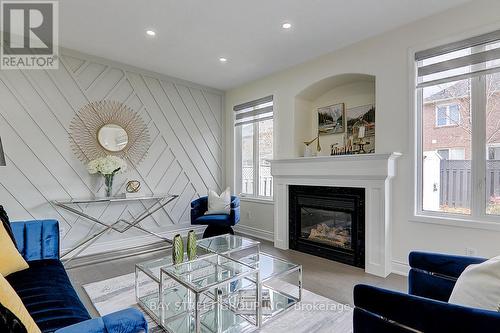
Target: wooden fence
x=455, y=180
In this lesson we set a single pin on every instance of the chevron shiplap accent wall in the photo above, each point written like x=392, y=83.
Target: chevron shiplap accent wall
x=36, y=107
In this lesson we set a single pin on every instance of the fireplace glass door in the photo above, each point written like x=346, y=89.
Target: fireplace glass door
x=328, y=222
x=332, y=228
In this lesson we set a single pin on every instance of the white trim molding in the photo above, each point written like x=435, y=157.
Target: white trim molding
x=400, y=268
x=255, y=232
x=257, y=200
x=373, y=172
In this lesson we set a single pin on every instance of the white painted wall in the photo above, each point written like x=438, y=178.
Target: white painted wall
x=185, y=157
x=255, y=219
x=387, y=57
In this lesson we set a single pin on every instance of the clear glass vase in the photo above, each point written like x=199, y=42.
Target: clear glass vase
x=108, y=183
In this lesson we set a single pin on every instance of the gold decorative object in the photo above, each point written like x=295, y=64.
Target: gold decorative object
x=133, y=186
x=106, y=127
x=307, y=149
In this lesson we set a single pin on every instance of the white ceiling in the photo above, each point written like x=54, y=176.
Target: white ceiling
x=193, y=34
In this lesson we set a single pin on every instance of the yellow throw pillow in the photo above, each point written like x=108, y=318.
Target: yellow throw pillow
x=10, y=300
x=10, y=259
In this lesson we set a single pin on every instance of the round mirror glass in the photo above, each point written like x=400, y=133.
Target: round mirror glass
x=112, y=137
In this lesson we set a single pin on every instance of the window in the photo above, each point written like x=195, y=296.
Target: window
x=254, y=142
x=447, y=115
x=458, y=168
x=493, y=152
x=451, y=153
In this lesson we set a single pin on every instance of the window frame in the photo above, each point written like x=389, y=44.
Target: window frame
x=449, y=150
x=449, y=122
x=491, y=145
x=488, y=222
x=478, y=219
x=239, y=163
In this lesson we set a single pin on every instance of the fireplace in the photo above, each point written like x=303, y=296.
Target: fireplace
x=328, y=222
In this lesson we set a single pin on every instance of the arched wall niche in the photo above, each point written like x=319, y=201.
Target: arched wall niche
x=352, y=89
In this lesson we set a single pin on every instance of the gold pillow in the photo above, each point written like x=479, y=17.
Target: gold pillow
x=10, y=300
x=10, y=259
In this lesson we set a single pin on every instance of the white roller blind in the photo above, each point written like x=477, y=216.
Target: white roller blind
x=459, y=60
x=254, y=111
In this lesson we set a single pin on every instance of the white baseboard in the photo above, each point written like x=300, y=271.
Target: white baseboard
x=255, y=232
x=400, y=268
x=136, y=241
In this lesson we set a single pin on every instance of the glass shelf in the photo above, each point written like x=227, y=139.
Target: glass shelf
x=278, y=302
x=212, y=321
x=226, y=243
x=208, y=271
x=270, y=266
x=114, y=199
x=153, y=267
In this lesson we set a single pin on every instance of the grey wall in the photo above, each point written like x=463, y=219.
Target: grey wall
x=36, y=107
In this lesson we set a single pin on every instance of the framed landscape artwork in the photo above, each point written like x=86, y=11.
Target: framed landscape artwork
x=331, y=119
x=364, y=115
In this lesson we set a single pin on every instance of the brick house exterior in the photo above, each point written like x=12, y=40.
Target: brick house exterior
x=456, y=136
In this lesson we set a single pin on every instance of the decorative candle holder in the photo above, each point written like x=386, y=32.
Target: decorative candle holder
x=177, y=250
x=191, y=245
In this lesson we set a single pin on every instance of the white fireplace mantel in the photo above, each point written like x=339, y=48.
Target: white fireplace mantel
x=373, y=172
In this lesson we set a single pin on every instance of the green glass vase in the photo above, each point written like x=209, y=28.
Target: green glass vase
x=177, y=250
x=108, y=184
x=191, y=245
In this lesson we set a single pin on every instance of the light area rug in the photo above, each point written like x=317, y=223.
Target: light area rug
x=314, y=314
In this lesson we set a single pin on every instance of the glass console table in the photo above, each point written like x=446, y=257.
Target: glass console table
x=152, y=204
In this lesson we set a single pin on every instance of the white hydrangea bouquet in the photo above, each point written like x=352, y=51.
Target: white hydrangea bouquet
x=107, y=166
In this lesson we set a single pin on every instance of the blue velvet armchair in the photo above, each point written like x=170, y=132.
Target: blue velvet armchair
x=425, y=308
x=217, y=224
x=46, y=290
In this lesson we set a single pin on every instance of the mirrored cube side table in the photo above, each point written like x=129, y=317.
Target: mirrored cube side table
x=147, y=282
x=198, y=296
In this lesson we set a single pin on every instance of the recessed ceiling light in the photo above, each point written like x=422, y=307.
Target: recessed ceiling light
x=286, y=25
x=222, y=59
x=151, y=33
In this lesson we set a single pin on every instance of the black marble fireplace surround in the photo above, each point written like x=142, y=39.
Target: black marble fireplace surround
x=328, y=222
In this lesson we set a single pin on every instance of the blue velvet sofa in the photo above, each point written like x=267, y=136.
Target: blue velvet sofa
x=46, y=290
x=217, y=224
x=425, y=308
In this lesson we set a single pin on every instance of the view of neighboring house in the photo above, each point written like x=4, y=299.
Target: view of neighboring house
x=447, y=143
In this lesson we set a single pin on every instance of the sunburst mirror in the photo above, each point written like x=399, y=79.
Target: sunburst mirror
x=109, y=128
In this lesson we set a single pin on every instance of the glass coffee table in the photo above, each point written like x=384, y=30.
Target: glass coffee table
x=195, y=296
x=228, y=278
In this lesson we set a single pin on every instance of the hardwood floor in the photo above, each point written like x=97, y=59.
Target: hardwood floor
x=321, y=276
